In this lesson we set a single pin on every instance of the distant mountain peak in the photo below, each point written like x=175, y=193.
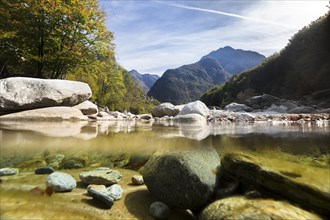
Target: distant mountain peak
x=145, y=81
x=235, y=61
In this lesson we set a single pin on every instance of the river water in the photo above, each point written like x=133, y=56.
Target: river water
x=22, y=141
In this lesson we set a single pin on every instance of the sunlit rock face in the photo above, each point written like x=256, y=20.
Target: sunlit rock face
x=22, y=93
x=239, y=207
x=183, y=178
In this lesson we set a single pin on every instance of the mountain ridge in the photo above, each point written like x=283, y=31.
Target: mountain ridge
x=145, y=81
x=188, y=82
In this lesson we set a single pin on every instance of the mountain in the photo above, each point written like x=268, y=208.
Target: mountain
x=236, y=60
x=145, y=81
x=300, y=69
x=187, y=83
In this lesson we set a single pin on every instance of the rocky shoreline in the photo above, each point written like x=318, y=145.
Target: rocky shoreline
x=183, y=183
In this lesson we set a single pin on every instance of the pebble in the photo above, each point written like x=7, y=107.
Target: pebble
x=44, y=170
x=8, y=171
x=137, y=180
x=115, y=191
x=102, y=196
x=159, y=210
x=61, y=182
x=100, y=176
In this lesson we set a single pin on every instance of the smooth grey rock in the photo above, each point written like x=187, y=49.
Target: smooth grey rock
x=159, y=210
x=236, y=107
x=239, y=207
x=46, y=114
x=87, y=108
x=23, y=93
x=165, y=109
x=95, y=188
x=8, y=171
x=326, y=110
x=115, y=191
x=303, y=109
x=196, y=107
x=101, y=177
x=183, y=178
x=61, y=182
x=262, y=101
x=101, y=196
x=44, y=170
x=137, y=180
x=145, y=116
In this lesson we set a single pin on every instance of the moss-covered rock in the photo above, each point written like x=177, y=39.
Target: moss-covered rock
x=284, y=179
x=239, y=207
x=32, y=164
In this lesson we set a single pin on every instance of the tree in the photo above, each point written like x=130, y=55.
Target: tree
x=48, y=38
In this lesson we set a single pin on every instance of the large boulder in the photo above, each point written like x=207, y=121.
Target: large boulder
x=46, y=114
x=183, y=178
x=196, y=107
x=239, y=207
x=87, y=108
x=165, y=109
x=20, y=93
x=236, y=107
x=285, y=179
x=262, y=101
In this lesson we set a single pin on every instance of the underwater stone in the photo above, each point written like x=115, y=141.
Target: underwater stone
x=102, y=177
x=44, y=170
x=8, y=171
x=159, y=210
x=115, y=191
x=102, y=196
x=137, y=180
x=61, y=182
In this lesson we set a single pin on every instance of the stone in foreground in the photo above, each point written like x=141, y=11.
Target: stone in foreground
x=137, y=180
x=44, y=170
x=242, y=208
x=23, y=93
x=102, y=196
x=196, y=107
x=61, y=182
x=101, y=177
x=305, y=188
x=8, y=171
x=87, y=108
x=183, y=178
x=159, y=210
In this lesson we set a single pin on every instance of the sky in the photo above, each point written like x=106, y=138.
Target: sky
x=152, y=36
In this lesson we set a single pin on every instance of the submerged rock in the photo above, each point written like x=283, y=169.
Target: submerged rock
x=8, y=171
x=100, y=176
x=115, y=191
x=102, y=196
x=23, y=93
x=137, y=180
x=252, y=174
x=159, y=210
x=61, y=182
x=241, y=208
x=44, y=170
x=183, y=178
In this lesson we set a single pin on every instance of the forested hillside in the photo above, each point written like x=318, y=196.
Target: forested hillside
x=66, y=40
x=188, y=82
x=301, y=68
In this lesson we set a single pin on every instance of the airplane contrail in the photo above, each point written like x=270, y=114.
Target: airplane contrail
x=230, y=15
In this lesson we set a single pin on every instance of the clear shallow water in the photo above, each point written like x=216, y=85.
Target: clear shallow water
x=21, y=141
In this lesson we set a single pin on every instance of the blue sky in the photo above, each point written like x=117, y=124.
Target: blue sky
x=152, y=36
